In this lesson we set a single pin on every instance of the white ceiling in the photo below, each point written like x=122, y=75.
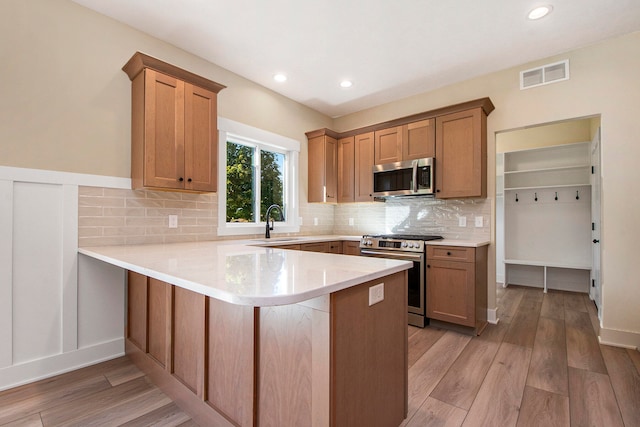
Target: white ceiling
x=391, y=49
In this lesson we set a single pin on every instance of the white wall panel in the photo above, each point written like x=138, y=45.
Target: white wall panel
x=37, y=271
x=100, y=302
x=6, y=262
x=50, y=320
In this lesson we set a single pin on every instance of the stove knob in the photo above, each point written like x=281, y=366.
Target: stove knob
x=404, y=244
x=369, y=243
x=410, y=245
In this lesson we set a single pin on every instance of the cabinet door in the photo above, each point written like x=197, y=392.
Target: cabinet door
x=364, y=159
x=200, y=139
x=388, y=146
x=335, y=247
x=350, y=248
x=315, y=247
x=451, y=292
x=189, y=338
x=346, y=170
x=419, y=140
x=461, y=155
x=137, y=309
x=163, y=131
x=322, y=172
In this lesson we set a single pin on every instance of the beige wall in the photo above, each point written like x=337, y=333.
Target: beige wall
x=604, y=81
x=543, y=136
x=65, y=103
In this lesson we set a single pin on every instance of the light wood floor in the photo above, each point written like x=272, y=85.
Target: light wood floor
x=540, y=366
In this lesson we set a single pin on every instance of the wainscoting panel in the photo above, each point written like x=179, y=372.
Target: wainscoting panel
x=52, y=320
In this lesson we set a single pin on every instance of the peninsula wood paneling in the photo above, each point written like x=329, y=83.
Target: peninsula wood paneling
x=137, y=312
x=230, y=360
x=369, y=374
x=188, y=338
x=159, y=330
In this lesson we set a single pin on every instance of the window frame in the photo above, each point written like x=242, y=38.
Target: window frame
x=240, y=133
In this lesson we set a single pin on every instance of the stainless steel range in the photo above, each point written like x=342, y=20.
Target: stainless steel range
x=405, y=247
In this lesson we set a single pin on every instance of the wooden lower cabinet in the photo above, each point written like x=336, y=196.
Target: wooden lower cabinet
x=350, y=247
x=305, y=364
x=457, y=286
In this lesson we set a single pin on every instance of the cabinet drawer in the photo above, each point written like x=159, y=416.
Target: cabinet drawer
x=451, y=253
x=315, y=247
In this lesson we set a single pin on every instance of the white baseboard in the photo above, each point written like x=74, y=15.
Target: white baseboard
x=24, y=373
x=492, y=316
x=625, y=339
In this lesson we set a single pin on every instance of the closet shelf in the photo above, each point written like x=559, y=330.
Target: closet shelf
x=554, y=264
x=554, y=169
x=542, y=187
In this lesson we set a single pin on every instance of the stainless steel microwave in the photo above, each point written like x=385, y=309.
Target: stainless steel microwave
x=408, y=178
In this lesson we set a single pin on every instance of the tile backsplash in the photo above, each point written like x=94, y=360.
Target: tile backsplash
x=109, y=216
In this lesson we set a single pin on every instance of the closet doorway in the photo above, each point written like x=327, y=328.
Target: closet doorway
x=548, y=206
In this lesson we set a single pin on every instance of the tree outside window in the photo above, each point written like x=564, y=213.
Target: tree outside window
x=246, y=166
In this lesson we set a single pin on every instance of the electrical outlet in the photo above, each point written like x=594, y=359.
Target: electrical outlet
x=173, y=221
x=462, y=221
x=376, y=294
x=479, y=221
x=315, y=221
x=351, y=221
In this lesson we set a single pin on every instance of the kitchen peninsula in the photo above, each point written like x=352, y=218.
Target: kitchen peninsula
x=240, y=334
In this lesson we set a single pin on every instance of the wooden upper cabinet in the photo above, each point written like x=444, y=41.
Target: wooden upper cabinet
x=407, y=142
x=419, y=140
x=174, y=132
x=364, y=161
x=388, y=145
x=346, y=169
x=323, y=168
x=461, y=154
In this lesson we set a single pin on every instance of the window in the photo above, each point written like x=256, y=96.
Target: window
x=257, y=169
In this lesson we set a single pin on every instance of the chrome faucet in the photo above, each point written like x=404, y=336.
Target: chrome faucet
x=267, y=235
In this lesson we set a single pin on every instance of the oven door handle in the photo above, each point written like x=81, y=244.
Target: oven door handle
x=393, y=255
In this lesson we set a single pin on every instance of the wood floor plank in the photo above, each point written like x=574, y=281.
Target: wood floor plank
x=166, y=416
x=123, y=374
x=128, y=410
x=422, y=341
x=625, y=380
x=463, y=380
x=189, y=423
x=91, y=404
x=553, y=305
x=65, y=391
x=498, y=400
x=583, y=349
x=508, y=304
x=30, y=421
x=574, y=301
x=548, y=369
x=593, y=313
x=635, y=358
x=542, y=408
x=591, y=400
x=522, y=330
x=436, y=413
x=425, y=374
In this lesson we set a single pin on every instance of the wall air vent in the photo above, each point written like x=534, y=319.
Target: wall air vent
x=550, y=73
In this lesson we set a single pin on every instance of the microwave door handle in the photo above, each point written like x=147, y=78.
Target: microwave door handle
x=415, y=176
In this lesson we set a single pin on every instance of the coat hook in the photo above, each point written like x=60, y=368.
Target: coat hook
x=577, y=195
x=535, y=196
x=556, y=195
x=516, y=197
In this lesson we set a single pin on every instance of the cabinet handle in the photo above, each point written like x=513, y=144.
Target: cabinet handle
x=596, y=241
x=189, y=180
x=438, y=190
x=428, y=266
x=181, y=179
x=448, y=253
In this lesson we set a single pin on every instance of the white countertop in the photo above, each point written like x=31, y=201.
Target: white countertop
x=239, y=272
x=456, y=242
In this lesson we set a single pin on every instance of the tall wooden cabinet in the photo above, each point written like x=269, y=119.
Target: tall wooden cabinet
x=174, y=134
x=346, y=169
x=323, y=167
x=364, y=160
x=461, y=154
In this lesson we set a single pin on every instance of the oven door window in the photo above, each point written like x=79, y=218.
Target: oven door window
x=415, y=294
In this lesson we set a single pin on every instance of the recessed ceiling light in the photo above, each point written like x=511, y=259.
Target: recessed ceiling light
x=280, y=78
x=346, y=83
x=539, y=12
